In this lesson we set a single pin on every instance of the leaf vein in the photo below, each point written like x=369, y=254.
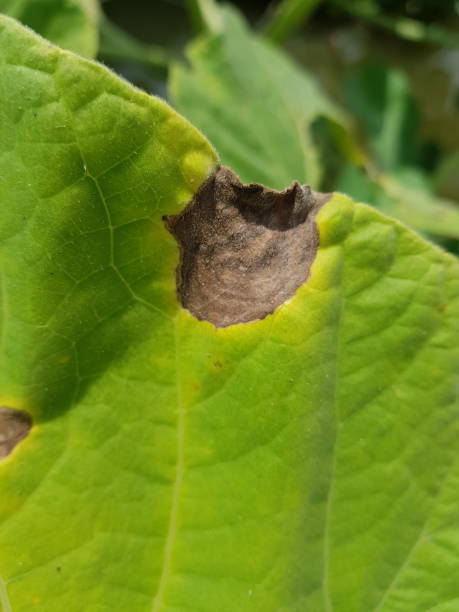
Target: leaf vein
x=172, y=528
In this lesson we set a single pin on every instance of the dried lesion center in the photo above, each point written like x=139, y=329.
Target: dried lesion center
x=245, y=249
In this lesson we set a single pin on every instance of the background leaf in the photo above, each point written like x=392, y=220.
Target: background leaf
x=447, y=176
x=405, y=27
x=307, y=461
x=404, y=195
x=388, y=116
x=267, y=117
x=394, y=180
x=71, y=24
x=287, y=17
x=256, y=106
x=117, y=44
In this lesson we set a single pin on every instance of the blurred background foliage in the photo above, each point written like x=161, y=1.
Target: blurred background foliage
x=360, y=96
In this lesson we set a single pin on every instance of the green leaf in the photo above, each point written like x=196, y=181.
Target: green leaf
x=256, y=106
x=71, y=24
x=288, y=17
x=380, y=97
x=205, y=15
x=446, y=177
x=307, y=461
x=405, y=195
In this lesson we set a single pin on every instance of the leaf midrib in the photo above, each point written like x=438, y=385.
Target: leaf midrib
x=172, y=528
x=4, y=599
x=328, y=603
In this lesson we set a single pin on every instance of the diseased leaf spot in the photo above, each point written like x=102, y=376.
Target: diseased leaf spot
x=14, y=427
x=245, y=249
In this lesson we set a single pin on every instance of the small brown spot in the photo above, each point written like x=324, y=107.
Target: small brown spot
x=218, y=364
x=14, y=427
x=245, y=249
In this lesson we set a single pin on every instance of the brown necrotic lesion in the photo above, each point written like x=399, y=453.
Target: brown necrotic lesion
x=14, y=427
x=245, y=249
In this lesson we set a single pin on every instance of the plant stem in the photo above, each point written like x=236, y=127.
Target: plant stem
x=288, y=17
x=205, y=16
x=408, y=28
